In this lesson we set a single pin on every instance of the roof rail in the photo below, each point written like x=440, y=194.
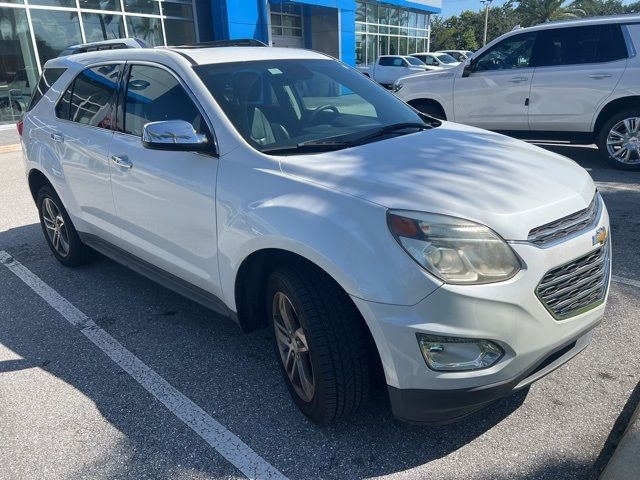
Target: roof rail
x=113, y=44
x=240, y=42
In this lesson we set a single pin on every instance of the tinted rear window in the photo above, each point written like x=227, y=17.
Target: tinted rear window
x=579, y=45
x=48, y=78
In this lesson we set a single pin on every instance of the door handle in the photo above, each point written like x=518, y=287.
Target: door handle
x=123, y=161
x=57, y=137
x=519, y=79
x=600, y=76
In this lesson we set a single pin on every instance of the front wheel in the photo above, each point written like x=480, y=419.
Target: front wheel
x=619, y=140
x=320, y=343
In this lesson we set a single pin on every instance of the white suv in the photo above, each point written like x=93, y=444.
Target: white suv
x=280, y=187
x=576, y=81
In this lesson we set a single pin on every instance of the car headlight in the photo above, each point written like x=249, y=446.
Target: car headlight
x=455, y=250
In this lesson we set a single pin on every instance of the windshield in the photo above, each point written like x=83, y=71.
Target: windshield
x=276, y=104
x=446, y=58
x=415, y=61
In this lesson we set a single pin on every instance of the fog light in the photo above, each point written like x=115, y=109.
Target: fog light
x=450, y=354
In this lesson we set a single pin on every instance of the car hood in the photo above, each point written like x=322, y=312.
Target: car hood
x=455, y=170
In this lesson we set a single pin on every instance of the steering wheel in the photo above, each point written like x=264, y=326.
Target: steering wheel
x=321, y=108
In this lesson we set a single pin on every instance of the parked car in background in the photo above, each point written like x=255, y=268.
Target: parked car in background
x=438, y=60
x=389, y=68
x=459, y=55
x=575, y=81
x=281, y=188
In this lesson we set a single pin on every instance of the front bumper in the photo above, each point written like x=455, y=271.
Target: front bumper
x=507, y=313
x=439, y=407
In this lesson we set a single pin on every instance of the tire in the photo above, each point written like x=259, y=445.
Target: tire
x=614, y=128
x=329, y=327
x=68, y=248
x=430, y=108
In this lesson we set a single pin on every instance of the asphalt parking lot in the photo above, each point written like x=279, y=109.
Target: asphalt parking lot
x=69, y=410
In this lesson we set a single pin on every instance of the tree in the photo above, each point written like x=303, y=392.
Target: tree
x=533, y=12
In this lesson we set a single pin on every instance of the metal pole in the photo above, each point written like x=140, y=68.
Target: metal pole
x=486, y=20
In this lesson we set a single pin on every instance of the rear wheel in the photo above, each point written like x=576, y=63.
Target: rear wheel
x=619, y=140
x=58, y=230
x=320, y=343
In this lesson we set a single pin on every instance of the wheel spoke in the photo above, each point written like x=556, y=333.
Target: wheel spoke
x=290, y=365
x=302, y=344
x=619, y=152
x=281, y=333
x=286, y=312
x=50, y=209
x=628, y=125
x=56, y=239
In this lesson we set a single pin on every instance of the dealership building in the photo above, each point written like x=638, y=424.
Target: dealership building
x=33, y=31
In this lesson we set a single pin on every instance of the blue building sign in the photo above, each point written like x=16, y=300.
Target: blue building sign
x=354, y=31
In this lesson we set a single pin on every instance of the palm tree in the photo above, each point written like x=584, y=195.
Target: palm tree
x=533, y=12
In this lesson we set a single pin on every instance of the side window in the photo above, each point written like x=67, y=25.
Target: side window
x=512, y=52
x=429, y=60
x=611, y=44
x=48, y=78
x=93, y=96
x=579, y=45
x=398, y=62
x=154, y=95
x=64, y=104
x=386, y=61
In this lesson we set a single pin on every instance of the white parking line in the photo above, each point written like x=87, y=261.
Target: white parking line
x=626, y=281
x=215, y=434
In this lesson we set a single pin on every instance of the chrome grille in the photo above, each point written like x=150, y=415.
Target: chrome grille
x=566, y=226
x=577, y=286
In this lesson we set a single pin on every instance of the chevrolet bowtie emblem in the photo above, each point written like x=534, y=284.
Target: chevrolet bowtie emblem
x=600, y=236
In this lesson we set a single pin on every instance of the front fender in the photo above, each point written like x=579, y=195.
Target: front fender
x=345, y=236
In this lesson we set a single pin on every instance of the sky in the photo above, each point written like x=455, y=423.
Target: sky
x=454, y=7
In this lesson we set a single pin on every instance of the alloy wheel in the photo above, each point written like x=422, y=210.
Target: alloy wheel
x=623, y=141
x=55, y=227
x=293, y=347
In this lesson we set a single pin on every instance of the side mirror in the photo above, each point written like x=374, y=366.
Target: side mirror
x=469, y=68
x=177, y=135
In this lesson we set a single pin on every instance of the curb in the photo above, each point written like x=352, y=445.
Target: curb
x=10, y=148
x=625, y=463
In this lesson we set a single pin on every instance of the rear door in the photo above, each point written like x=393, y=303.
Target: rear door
x=494, y=94
x=80, y=139
x=577, y=68
x=165, y=200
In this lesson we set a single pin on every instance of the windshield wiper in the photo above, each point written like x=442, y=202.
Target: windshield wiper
x=333, y=143
x=311, y=146
x=393, y=128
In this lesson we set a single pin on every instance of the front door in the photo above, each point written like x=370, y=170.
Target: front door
x=165, y=200
x=495, y=93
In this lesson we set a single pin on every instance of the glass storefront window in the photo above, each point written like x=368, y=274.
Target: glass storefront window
x=99, y=27
x=112, y=5
x=389, y=31
x=18, y=70
x=180, y=32
x=145, y=28
x=55, y=30
x=55, y=3
x=142, y=6
x=173, y=9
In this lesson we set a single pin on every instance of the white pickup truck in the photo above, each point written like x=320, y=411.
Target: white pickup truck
x=389, y=68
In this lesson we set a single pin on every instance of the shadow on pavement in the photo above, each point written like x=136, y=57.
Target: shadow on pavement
x=169, y=321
